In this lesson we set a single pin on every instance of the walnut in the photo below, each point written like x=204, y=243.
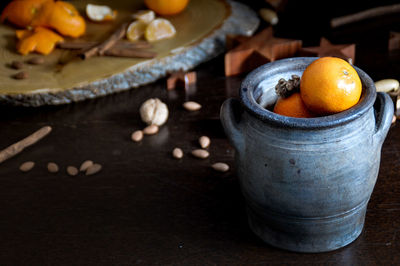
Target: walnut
x=154, y=112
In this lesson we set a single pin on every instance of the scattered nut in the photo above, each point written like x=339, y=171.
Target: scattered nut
x=52, y=167
x=220, y=167
x=269, y=16
x=150, y=130
x=17, y=65
x=72, y=170
x=137, y=136
x=394, y=119
x=36, y=61
x=200, y=153
x=177, y=153
x=85, y=165
x=204, y=142
x=397, y=106
x=27, y=166
x=387, y=85
x=95, y=168
x=21, y=75
x=192, y=106
x=154, y=111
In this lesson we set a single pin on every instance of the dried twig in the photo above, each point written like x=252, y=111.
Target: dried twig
x=101, y=48
x=87, y=45
x=369, y=13
x=133, y=53
x=18, y=147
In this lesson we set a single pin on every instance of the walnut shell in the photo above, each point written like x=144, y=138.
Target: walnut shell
x=154, y=112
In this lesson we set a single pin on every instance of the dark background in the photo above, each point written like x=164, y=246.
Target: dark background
x=147, y=208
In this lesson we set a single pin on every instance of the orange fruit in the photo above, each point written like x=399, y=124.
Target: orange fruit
x=330, y=85
x=292, y=106
x=22, y=12
x=166, y=7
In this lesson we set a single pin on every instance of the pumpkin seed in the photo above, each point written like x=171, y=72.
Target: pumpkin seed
x=27, y=166
x=95, y=168
x=220, y=167
x=85, y=165
x=192, y=106
x=72, y=170
x=52, y=167
x=200, y=153
x=150, y=130
x=204, y=142
x=137, y=136
x=177, y=153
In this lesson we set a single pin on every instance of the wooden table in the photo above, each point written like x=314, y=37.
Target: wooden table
x=147, y=208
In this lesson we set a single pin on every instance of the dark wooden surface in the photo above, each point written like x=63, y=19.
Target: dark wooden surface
x=146, y=207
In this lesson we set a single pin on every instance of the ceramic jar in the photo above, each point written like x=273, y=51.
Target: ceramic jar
x=306, y=181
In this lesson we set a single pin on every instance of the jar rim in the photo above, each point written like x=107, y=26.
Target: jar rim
x=286, y=66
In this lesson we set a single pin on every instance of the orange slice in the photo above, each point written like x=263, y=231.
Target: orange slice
x=159, y=29
x=135, y=30
x=145, y=16
x=100, y=13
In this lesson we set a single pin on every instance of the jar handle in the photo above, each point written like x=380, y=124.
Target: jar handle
x=231, y=112
x=384, y=108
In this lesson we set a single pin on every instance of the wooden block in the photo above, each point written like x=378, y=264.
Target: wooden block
x=326, y=48
x=394, y=41
x=285, y=49
x=257, y=50
x=232, y=41
x=181, y=79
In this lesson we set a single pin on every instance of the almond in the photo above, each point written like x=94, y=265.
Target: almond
x=17, y=65
x=21, y=75
x=36, y=61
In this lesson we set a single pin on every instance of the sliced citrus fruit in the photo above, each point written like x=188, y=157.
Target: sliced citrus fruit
x=100, y=13
x=145, y=16
x=135, y=30
x=159, y=29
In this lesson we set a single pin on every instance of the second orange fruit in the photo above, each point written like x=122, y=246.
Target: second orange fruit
x=292, y=106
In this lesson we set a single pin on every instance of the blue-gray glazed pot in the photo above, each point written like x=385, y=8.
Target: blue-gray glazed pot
x=306, y=181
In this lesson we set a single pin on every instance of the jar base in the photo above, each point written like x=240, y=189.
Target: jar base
x=308, y=235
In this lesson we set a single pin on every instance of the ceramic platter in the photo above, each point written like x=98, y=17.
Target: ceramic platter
x=201, y=31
